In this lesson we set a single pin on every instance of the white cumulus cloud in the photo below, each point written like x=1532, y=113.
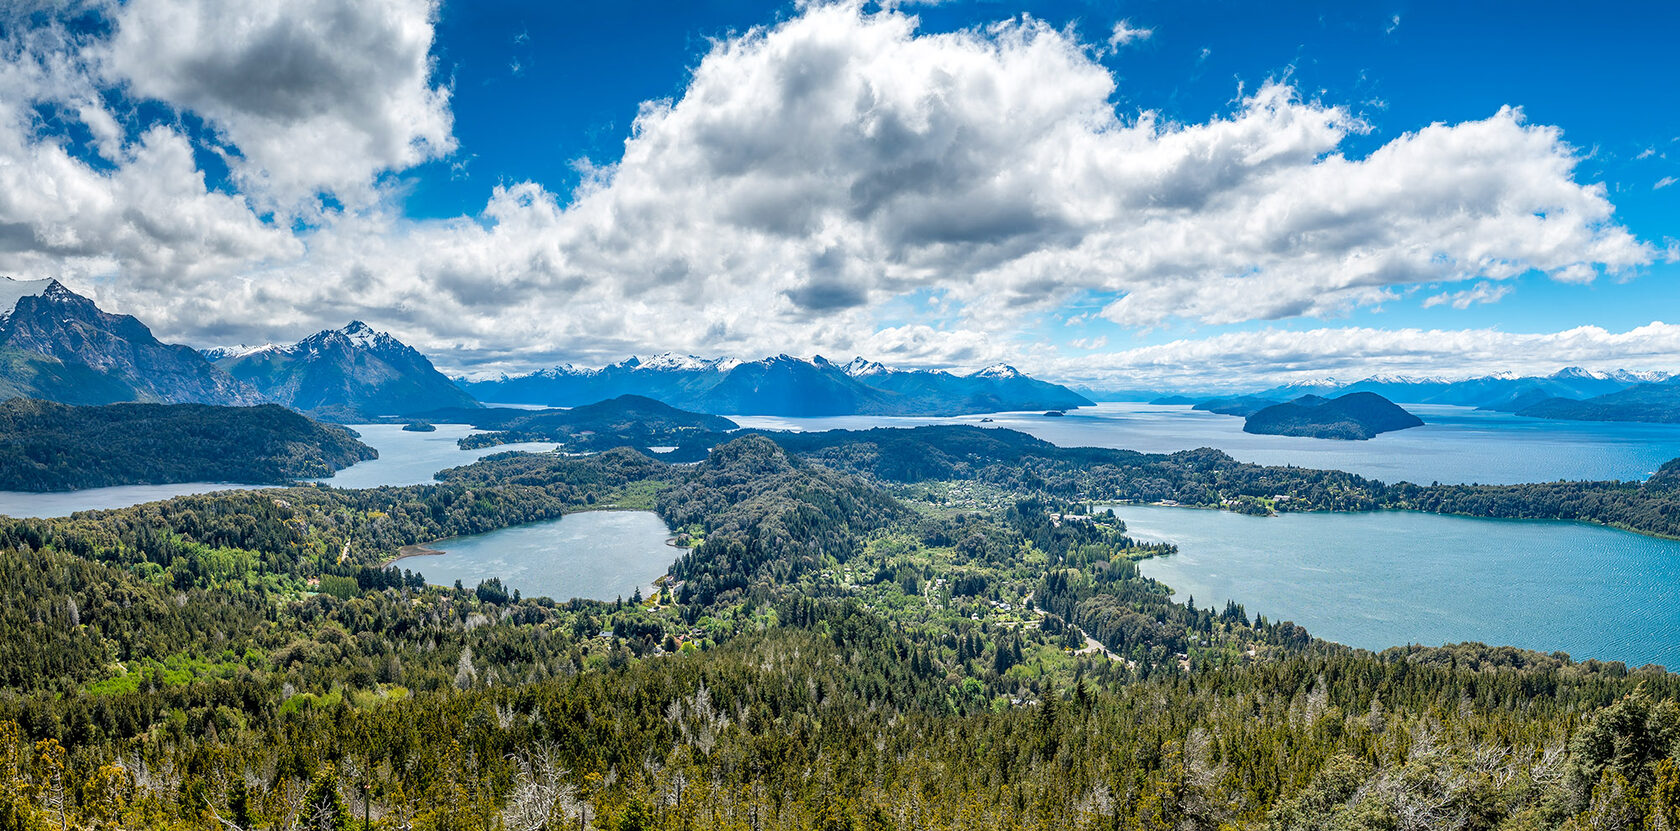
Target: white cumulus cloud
x=808, y=172
x=314, y=95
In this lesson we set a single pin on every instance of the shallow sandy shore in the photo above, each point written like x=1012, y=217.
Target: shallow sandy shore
x=408, y=551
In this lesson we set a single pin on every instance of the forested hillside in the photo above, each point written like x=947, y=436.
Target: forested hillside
x=50, y=447
x=833, y=653
x=1016, y=462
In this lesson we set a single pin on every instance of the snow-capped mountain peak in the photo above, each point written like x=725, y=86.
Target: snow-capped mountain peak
x=672, y=362
x=861, y=367
x=364, y=336
x=1570, y=372
x=11, y=291
x=1001, y=371
x=217, y=353
x=1391, y=378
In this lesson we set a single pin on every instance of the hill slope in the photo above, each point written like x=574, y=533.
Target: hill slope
x=46, y=446
x=1357, y=416
x=1654, y=403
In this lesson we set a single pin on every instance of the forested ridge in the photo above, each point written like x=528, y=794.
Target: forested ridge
x=837, y=650
x=52, y=447
x=1016, y=462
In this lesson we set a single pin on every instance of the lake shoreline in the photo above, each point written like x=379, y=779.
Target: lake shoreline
x=417, y=550
x=431, y=549
x=596, y=554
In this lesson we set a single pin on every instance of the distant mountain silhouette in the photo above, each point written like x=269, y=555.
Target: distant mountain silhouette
x=784, y=386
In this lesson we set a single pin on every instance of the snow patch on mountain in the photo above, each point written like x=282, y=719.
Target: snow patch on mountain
x=219, y=353
x=672, y=362
x=11, y=291
x=999, y=371
x=861, y=367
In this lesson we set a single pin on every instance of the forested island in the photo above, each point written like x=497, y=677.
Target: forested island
x=1356, y=416
x=625, y=421
x=53, y=447
x=882, y=629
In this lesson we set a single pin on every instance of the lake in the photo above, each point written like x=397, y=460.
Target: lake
x=1456, y=444
x=601, y=555
x=1376, y=580
x=404, y=459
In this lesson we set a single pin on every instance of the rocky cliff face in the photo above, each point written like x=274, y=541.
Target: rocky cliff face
x=57, y=345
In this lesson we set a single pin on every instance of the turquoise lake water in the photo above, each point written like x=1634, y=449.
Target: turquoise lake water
x=1385, y=579
x=601, y=555
x=1456, y=444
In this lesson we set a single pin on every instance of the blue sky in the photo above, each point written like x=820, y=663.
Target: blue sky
x=417, y=166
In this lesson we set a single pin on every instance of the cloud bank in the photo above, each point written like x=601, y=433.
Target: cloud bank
x=809, y=172
x=1251, y=360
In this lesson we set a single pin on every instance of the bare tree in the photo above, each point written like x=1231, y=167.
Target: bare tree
x=541, y=796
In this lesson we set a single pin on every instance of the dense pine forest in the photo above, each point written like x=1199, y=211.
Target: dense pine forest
x=54, y=447
x=894, y=631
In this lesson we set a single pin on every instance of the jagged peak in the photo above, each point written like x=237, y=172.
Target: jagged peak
x=861, y=367
x=356, y=333
x=366, y=336
x=11, y=291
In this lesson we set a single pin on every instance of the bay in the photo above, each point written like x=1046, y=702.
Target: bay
x=1375, y=580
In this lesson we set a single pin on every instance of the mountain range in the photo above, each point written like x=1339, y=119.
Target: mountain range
x=782, y=386
x=349, y=374
x=59, y=346
x=1503, y=392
